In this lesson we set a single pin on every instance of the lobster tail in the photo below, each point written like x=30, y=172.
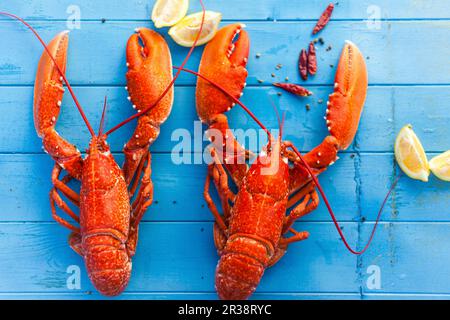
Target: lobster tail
x=108, y=264
x=241, y=267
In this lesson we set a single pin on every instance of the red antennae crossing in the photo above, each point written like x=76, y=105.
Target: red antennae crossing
x=137, y=115
x=77, y=103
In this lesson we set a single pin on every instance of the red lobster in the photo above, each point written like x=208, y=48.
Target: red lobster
x=108, y=220
x=252, y=234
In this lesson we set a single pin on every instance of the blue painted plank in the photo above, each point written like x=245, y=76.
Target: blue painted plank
x=178, y=191
x=412, y=200
x=278, y=42
x=387, y=110
x=34, y=258
x=405, y=88
x=235, y=9
x=412, y=257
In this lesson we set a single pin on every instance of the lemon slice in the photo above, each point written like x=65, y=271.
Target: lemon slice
x=166, y=13
x=410, y=155
x=185, y=31
x=440, y=166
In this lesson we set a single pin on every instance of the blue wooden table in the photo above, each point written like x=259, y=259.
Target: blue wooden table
x=406, y=44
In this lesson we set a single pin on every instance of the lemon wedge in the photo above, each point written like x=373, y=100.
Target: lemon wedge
x=440, y=166
x=410, y=155
x=166, y=13
x=185, y=31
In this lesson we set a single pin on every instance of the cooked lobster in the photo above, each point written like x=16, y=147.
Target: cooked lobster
x=112, y=200
x=252, y=233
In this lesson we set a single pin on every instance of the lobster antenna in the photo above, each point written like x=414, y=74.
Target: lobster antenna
x=137, y=115
x=283, y=118
x=77, y=103
x=278, y=116
x=330, y=210
x=102, y=121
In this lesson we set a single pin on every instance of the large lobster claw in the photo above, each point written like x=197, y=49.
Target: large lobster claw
x=149, y=73
x=224, y=61
x=344, y=110
x=347, y=101
x=345, y=106
x=48, y=94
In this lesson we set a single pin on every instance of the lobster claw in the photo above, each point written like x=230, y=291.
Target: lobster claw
x=149, y=74
x=224, y=62
x=48, y=94
x=347, y=101
x=344, y=110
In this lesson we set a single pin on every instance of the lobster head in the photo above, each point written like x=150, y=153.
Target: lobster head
x=224, y=60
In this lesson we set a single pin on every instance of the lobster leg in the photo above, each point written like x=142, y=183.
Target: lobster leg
x=209, y=201
x=300, y=195
x=220, y=238
x=149, y=73
x=219, y=176
x=145, y=194
x=220, y=179
x=55, y=199
x=280, y=251
x=61, y=185
x=298, y=236
x=143, y=200
x=136, y=180
x=48, y=94
x=309, y=203
x=75, y=243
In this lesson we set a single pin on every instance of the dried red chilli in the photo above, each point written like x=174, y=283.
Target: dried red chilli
x=303, y=64
x=324, y=18
x=294, y=88
x=312, y=59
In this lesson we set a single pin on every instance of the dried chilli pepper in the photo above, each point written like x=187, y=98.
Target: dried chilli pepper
x=294, y=89
x=303, y=64
x=324, y=18
x=312, y=59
